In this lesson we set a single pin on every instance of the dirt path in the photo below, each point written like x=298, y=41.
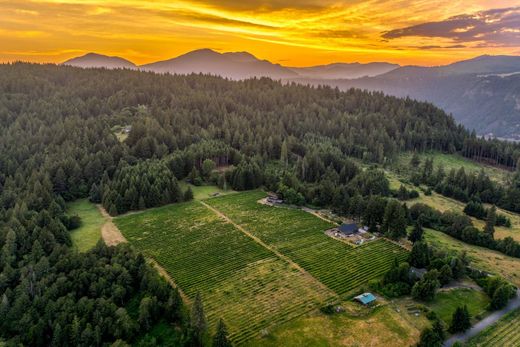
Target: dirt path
x=109, y=231
x=486, y=322
x=315, y=213
x=113, y=236
x=273, y=250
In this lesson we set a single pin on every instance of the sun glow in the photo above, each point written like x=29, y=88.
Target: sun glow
x=299, y=33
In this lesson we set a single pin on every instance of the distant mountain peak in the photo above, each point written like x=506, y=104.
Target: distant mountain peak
x=96, y=60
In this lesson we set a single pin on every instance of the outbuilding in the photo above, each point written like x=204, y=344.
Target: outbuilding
x=366, y=298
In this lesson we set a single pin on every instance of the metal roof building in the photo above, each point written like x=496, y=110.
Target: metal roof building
x=366, y=298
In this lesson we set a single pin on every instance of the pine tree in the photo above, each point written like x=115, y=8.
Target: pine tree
x=221, y=336
x=198, y=320
x=461, y=320
x=420, y=255
x=491, y=220
x=188, y=194
x=415, y=161
x=417, y=232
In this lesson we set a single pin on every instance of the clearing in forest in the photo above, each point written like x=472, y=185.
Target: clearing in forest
x=89, y=233
x=255, y=266
x=480, y=257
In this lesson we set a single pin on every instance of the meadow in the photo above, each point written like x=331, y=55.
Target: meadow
x=505, y=333
x=205, y=191
x=447, y=301
x=451, y=161
x=89, y=233
x=481, y=258
x=255, y=266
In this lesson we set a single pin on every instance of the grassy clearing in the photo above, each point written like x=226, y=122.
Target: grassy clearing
x=239, y=280
x=205, y=192
x=452, y=161
x=342, y=330
x=447, y=301
x=443, y=203
x=383, y=327
x=482, y=258
x=300, y=236
x=89, y=233
x=505, y=333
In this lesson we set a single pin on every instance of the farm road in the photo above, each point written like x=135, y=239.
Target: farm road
x=486, y=322
x=109, y=231
x=273, y=250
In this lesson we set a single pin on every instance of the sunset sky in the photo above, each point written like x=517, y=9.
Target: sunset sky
x=293, y=33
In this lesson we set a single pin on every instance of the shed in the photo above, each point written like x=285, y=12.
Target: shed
x=366, y=298
x=348, y=229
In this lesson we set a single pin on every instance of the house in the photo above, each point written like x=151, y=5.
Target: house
x=416, y=273
x=365, y=298
x=348, y=229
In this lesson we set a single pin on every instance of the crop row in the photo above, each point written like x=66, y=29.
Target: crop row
x=503, y=333
x=239, y=280
x=300, y=236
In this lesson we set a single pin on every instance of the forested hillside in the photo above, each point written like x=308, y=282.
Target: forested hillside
x=57, y=144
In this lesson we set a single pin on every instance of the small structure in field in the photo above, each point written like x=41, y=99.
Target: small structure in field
x=365, y=298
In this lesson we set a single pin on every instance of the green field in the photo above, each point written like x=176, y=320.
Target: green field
x=206, y=191
x=89, y=233
x=505, y=333
x=452, y=161
x=254, y=285
x=392, y=329
x=300, y=236
x=239, y=280
x=480, y=257
x=447, y=301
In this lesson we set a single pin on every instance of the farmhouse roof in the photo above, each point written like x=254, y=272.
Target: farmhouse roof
x=366, y=298
x=348, y=228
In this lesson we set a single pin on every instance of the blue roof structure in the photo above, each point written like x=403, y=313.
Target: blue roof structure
x=366, y=298
x=348, y=229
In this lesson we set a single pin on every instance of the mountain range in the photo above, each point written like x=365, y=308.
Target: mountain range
x=482, y=93
x=234, y=65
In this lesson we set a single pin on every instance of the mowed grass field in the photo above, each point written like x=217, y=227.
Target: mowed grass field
x=505, y=332
x=89, y=233
x=384, y=326
x=447, y=301
x=254, y=285
x=299, y=235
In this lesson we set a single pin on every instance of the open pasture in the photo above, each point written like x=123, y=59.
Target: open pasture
x=89, y=233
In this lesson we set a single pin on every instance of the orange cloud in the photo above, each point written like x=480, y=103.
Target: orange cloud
x=298, y=33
